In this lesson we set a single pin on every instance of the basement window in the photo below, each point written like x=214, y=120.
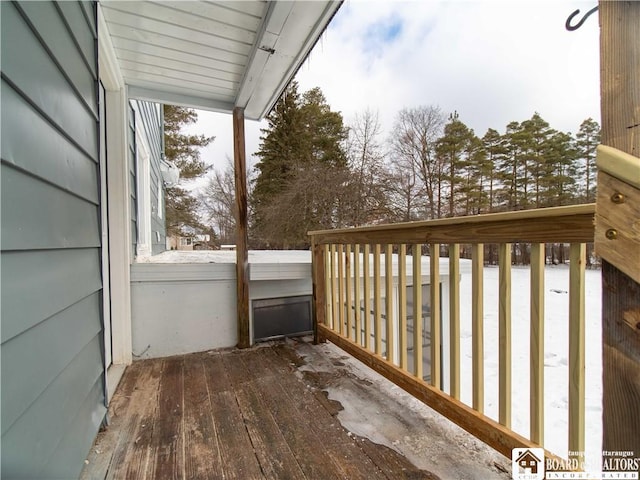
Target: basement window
x=281, y=317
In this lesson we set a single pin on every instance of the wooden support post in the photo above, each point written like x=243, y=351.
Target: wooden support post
x=334, y=288
x=388, y=295
x=377, y=300
x=356, y=293
x=504, y=335
x=620, y=105
x=366, y=287
x=454, y=320
x=416, y=252
x=434, y=283
x=319, y=293
x=477, y=326
x=536, y=410
x=348, y=286
x=328, y=296
x=341, y=326
x=402, y=305
x=577, y=260
x=242, y=235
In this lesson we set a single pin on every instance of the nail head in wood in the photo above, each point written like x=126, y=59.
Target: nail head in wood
x=611, y=234
x=617, y=198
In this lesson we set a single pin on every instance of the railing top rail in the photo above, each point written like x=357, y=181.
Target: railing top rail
x=572, y=223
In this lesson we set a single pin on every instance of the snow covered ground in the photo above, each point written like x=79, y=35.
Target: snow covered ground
x=556, y=354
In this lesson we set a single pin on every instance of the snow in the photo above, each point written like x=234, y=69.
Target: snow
x=556, y=348
x=556, y=342
x=228, y=256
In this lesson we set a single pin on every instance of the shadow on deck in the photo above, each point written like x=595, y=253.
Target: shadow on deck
x=262, y=413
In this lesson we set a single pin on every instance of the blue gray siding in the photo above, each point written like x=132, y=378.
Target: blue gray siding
x=150, y=116
x=52, y=398
x=132, y=181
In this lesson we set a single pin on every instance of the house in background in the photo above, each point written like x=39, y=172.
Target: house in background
x=195, y=242
x=82, y=188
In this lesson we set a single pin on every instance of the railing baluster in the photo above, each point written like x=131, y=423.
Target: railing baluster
x=434, y=281
x=319, y=288
x=340, y=289
x=504, y=335
x=454, y=319
x=417, y=310
x=377, y=301
x=347, y=284
x=537, y=343
x=388, y=292
x=334, y=289
x=327, y=287
x=477, y=330
x=356, y=293
x=577, y=260
x=366, y=281
x=402, y=305
x=562, y=224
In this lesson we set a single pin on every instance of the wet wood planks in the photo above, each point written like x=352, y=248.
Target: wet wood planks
x=238, y=415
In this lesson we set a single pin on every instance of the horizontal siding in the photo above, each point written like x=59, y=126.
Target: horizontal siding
x=67, y=166
x=29, y=445
x=53, y=215
x=133, y=189
x=52, y=398
x=78, y=434
x=43, y=354
x=36, y=74
x=82, y=32
x=53, y=30
x=32, y=293
x=149, y=115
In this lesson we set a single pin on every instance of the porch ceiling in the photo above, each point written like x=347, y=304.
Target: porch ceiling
x=213, y=55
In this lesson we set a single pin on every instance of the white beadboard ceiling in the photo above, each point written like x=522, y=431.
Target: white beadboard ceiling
x=214, y=55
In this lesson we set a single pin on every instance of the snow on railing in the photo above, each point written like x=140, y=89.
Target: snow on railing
x=373, y=299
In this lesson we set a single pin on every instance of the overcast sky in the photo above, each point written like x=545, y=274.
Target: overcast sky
x=491, y=61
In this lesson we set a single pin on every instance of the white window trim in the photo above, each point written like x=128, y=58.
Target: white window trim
x=143, y=181
x=118, y=205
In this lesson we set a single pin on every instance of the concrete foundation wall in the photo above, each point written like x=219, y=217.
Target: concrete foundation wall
x=183, y=308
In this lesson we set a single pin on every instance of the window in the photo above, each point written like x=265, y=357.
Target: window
x=185, y=241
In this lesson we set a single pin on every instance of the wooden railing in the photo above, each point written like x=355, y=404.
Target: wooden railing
x=361, y=278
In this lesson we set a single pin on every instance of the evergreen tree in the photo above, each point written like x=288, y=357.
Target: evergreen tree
x=455, y=147
x=587, y=139
x=183, y=151
x=302, y=170
x=493, y=144
x=510, y=167
x=560, y=178
x=535, y=135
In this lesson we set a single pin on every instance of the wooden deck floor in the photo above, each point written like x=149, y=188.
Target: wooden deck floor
x=239, y=414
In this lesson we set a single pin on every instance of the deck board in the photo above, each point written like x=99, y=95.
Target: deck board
x=236, y=414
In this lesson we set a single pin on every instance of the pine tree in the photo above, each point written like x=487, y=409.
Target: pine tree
x=302, y=171
x=587, y=139
x=454, y=147
x=495, y=151
x=183, y=151
x=536, y=136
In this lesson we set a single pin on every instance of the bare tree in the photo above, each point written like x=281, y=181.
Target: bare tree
x=314, y=199
x=365, y=192
x=405, y=192
x=413, y=142
x=219, y=203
